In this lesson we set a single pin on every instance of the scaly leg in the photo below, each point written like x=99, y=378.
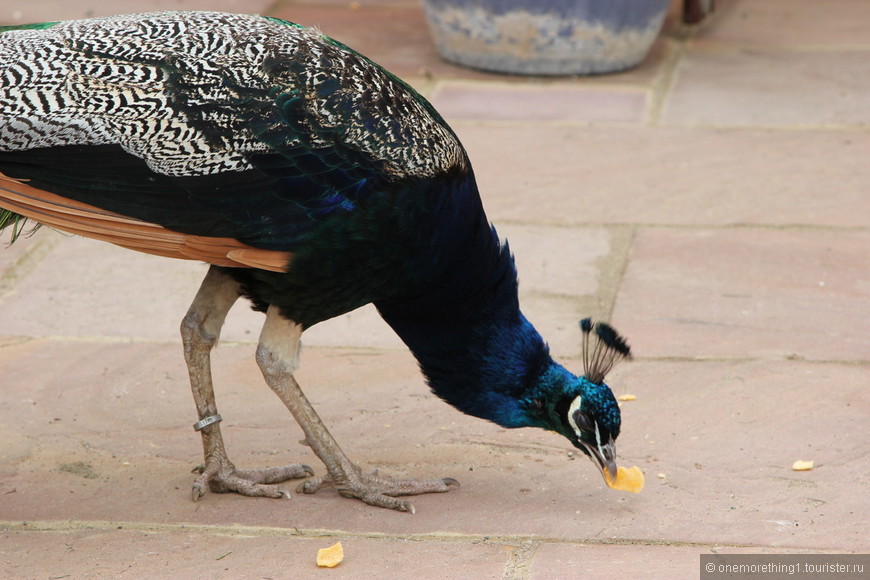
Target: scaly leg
x=200, y=330
x=278, y=357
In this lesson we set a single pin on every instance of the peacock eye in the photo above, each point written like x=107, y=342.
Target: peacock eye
x=582, y=421
x=578, y=420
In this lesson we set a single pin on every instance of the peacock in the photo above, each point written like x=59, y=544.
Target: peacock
x=313, y=182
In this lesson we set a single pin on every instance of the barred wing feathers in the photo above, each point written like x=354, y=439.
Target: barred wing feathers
x=210, y=124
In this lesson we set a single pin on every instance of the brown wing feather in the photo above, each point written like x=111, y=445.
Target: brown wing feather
x=92, y=222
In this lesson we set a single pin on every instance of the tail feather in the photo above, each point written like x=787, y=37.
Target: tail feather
x=10, y=219
x=20, y=202
x=33, y=26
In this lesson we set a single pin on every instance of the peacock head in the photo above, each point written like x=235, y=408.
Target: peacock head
x=585, y=411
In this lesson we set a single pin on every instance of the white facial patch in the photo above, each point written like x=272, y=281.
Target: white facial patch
x=575, y=406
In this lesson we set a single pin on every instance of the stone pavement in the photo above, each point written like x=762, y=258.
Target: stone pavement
x=712, y=203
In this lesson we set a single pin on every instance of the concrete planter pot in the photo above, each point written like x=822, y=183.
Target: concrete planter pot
x=545, y=37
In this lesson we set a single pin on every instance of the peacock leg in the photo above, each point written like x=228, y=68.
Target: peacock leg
x=200, y=330
x=278, y=357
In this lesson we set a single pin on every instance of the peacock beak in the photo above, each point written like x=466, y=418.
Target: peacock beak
x=604, y=458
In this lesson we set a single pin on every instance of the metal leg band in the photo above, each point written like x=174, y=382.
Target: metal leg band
x=202, y=423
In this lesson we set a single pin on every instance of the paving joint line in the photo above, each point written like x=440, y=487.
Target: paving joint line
x=512, y=540
x=615, y=265
x=687, y=226
x=749, y=359
x=663, y=83
x=728, y=48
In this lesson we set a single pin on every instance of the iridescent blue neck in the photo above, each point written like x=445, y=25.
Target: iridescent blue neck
x=476, y=349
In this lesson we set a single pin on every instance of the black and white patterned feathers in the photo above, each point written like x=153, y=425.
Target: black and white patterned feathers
x=198, y=93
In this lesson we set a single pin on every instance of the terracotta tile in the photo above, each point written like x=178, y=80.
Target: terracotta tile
x=151, y=554
x=543, y=103
x=747, y=293
x=88, y=288
x=556, y=261
x=738, y=427
x=593, y=175
x=604, y=562
x=761, y=87
x=787, y=24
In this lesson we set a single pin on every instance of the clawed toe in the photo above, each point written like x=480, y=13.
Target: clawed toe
x=275, y=474
x=222, y=478
x=450, y=482
x=313, y=485
x=379, y=491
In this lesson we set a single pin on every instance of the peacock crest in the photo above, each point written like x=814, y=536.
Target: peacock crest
x=608, y=349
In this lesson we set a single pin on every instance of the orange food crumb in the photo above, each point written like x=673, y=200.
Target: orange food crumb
x=623, y=398
x=627, y=479
x=801, y=465
x=330, y=557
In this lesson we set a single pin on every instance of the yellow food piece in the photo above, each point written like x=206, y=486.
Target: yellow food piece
x=801, y=465
x=626, y=398
x=330, y=557
x=627, y=479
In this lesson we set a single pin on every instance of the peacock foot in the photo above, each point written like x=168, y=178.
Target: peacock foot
x=221, y=476
x=378, y=491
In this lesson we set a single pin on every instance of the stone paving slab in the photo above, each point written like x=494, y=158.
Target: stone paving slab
x=748, y=293
x=786, y=24
x=571, y=175
x=570, y=103
x=606, y=562
x=234, y=554
x=737, y=89
x=775, y=63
